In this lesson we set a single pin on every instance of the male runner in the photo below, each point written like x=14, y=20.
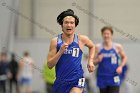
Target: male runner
x=66, y=53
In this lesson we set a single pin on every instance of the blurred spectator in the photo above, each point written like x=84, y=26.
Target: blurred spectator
x=3, y=71
x=25, y=73
x=49, y=77
x=13, y=73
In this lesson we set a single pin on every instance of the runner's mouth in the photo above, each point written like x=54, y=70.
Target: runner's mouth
x=69, y=29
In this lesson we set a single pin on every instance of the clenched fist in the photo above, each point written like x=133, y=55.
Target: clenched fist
x=90, y=67
x=64, y=46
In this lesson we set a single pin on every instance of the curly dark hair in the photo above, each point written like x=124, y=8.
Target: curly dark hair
x=68, y=12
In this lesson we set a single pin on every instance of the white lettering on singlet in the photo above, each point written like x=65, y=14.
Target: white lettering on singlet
x=68, y=51
x=108, y=54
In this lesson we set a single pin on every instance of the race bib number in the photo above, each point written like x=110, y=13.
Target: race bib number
x=116, y=79
x=113, y=60
x=81, y=82
x=75, y=52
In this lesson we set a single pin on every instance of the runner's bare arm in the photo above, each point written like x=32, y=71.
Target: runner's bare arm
x=96, y=55
x=122, y=55
x=98, y=58
x=87, y=42
x=123, y=59
x=53, y=55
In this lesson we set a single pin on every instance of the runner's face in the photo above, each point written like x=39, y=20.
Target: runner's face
x=107, y=36
x=68, y=26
